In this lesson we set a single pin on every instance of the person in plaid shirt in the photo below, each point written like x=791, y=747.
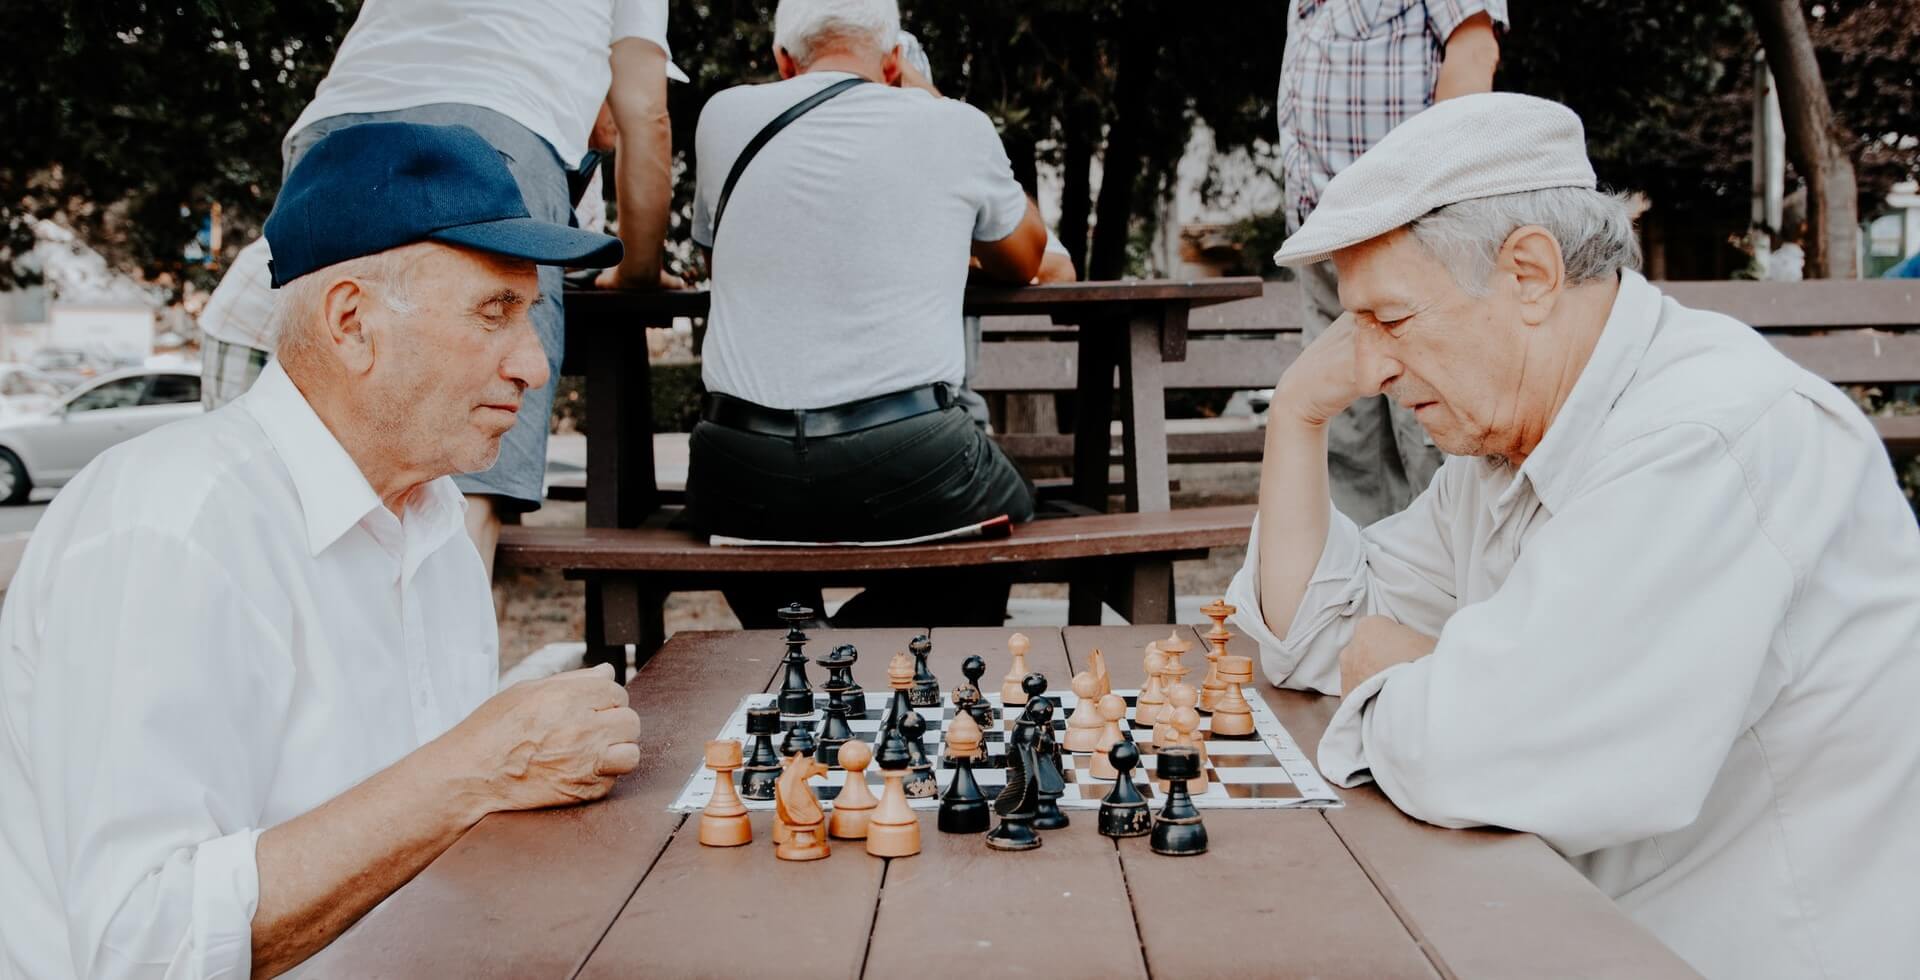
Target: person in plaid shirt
x=1351, y=71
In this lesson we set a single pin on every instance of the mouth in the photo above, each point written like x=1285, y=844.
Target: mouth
x=1418, y=407
x=508, y=408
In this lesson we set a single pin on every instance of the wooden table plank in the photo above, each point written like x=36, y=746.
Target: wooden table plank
x=739, y=911
x=528, y=894
x=743, y=898
x=1275, y=895
x=1059, y=911
x=1262, y=867
x=1481, y=903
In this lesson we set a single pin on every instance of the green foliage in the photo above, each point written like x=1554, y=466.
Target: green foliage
x=127, y=120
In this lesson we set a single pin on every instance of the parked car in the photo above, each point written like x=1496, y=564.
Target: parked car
x=47, y=449
x=25, y=391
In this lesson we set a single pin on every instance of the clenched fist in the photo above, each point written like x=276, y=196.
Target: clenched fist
x=561, y=739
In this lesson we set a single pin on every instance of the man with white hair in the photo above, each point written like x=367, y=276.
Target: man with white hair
x=1659, y=605
x=248, y=665
x=834, y=352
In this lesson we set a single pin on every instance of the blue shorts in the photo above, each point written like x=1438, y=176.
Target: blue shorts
x=520, y=473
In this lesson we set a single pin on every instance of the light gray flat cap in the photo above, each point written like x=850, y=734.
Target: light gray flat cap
x=1464, y=148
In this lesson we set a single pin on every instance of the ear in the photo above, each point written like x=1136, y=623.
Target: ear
x=784, y=61
x=890, y=66
x=344, y=308
x=1531, y=255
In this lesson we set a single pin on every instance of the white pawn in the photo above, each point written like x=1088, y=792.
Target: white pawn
x=1113, y=708
x=1146, y=708
x=1083, y=726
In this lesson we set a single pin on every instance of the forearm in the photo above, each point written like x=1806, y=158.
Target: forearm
x=323, y=870
x=1472, y=54
x=643, y=179
x=1295, y=502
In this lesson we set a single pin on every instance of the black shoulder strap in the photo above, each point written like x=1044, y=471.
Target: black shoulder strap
x=760, y=139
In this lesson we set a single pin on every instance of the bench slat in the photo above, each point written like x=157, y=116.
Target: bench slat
x=660, y=549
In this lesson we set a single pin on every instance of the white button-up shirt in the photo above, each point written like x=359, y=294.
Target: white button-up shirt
x=1681, y=643
x=216, y=628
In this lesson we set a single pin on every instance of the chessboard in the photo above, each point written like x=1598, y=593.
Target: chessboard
x=1264, y=771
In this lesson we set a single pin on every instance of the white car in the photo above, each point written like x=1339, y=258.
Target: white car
x=46, y=449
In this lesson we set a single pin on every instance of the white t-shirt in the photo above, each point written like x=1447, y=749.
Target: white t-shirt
x=844, y=263
x=544, y=65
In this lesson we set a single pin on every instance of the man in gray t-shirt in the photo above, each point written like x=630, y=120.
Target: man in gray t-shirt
x=833, y=351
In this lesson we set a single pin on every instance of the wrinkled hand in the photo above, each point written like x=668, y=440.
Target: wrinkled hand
x=614, y=278
x=1320, y=383
x=1379, y=643
x=560, y=739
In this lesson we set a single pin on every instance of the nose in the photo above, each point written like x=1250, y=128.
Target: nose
x=1374, y=366
x=526, y=363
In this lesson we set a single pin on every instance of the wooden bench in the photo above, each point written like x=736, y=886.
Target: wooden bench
x=1854, y=332
x=631, y=571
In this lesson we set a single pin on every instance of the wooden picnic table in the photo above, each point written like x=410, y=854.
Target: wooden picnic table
x=623, y=887
x=1135, y=326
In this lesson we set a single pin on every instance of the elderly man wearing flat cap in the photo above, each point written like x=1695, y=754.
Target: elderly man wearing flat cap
x=247, y=667
x=1661, y=605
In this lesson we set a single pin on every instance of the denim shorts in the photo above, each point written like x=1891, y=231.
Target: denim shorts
x=520, y=473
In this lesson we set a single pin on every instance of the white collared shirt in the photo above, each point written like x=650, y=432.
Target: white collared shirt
x=216, y=628
x=1681, y=643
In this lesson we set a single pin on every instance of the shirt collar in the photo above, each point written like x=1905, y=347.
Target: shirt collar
x=334, y=495
x=1550, y=469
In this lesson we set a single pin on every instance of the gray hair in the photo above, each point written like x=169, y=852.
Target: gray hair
x=1594, y=229
x=297, y=309
x=803, y=27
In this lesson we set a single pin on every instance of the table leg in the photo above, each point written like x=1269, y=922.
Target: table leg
x=621, y=488
x=1143, y=440
x=1092, y=449
x=1146, y=594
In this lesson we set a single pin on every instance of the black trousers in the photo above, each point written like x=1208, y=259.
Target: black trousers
x=915, y=476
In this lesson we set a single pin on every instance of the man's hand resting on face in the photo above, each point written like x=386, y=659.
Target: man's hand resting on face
x=1379, y=643
x=1320, y=383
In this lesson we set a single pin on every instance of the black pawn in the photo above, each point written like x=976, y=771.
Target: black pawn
x=834, y=731
x=762, y=767
x=1035, y=684
x=1018, y=803
x=920, y=784
x=963, y=808
x=798, y=740
x=856, y=695
x=926, y=687
x=1052, y=783
x=1124, y=812
x=982, y=710
x=796, y=695
x=1177, y=830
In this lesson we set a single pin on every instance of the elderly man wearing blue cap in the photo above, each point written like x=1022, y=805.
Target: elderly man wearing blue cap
x=1659, y=605
x=249, y=661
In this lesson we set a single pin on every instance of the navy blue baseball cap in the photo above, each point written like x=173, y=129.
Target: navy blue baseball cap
x=376, y=186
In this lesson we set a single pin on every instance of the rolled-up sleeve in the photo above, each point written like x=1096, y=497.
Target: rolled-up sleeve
x=1400, y=567
x=159, y=687
x=1594, y=697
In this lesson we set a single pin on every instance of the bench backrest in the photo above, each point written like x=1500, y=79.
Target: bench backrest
x=1846, y=331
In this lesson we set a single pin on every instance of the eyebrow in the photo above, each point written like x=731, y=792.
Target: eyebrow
x=505, y=297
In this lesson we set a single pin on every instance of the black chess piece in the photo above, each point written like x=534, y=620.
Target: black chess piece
x=1051, y=780
x=963, y=808
x=796, y=695
x=834, y=730
x=798, y=740
x=1035, y=684
x=762, y=767
x=982, y=710
x=844, y=657
x=920, y=783
x=926, y=687
x=1018, y=804
x=1177, y=830
x=1124, y=812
